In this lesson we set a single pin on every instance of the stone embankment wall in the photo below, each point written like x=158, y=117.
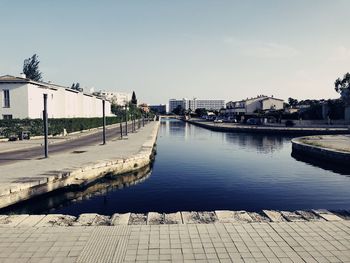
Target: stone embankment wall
x=83, y=174
x=298, y=131
x=321, y=153
x=153, y=218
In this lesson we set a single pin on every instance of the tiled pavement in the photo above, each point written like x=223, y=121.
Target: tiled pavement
x=320, y=241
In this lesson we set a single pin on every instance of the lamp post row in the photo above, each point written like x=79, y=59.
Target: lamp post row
x=133, y=125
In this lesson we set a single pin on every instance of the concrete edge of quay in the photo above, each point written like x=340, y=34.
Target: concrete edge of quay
x=272, y=130
x=184, y=218
x=82, y=175
x=319, y=152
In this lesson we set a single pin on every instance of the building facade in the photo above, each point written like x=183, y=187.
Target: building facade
x=194, y=104
x=253, y=105
x=23, y=98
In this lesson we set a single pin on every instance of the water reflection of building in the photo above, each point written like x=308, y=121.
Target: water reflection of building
x=262, y=143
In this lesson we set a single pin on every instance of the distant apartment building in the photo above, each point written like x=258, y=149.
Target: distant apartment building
x=23, y=98
x=194, y=104
x=161, y=108
x=117, y=98
x=253, y=105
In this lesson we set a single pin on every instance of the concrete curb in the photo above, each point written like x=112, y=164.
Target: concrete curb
x=182, y=218
x=271, y=130
x=80, y=176
x=318, y=152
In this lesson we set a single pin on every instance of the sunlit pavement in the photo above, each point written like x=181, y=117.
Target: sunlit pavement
x=219, y=242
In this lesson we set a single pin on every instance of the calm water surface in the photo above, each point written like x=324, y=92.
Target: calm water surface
x=197, y=169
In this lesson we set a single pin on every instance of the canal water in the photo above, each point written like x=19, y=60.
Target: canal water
x=202, y=170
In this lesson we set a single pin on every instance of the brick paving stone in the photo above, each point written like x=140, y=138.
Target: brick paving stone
x=220, y=242
x=11, y=220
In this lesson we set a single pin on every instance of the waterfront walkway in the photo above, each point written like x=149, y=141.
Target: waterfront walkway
x=329, y=148
x=24, y=179
x=331, y=142
x=220, y=242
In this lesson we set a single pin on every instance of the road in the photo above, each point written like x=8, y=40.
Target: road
x=69, y=145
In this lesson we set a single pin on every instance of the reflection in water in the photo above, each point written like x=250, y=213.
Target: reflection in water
x=337, y=168
x=260, y=143
x=49, y=203
x=200, y=170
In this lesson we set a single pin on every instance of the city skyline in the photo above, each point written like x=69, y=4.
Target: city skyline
x=228, y=50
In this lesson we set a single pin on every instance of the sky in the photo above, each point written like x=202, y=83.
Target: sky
x=162, y=49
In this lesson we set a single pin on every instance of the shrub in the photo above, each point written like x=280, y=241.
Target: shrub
x=56, y=126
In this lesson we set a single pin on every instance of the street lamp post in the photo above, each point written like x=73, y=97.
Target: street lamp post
x=46, y=128
x=126, y=120
x=104, y=122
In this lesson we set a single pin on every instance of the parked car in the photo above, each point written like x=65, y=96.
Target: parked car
x=232, y=120
x=218, y=121
x=254, y=121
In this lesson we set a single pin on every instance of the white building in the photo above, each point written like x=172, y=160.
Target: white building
x=252, y=105
x=23, y=98
x=118, y=98
x=196, y=104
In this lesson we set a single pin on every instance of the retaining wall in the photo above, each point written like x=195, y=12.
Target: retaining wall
x=321, y=153
x=270, y=130
x=82, y=175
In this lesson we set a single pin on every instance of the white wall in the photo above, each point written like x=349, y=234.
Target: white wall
x=26, y=101
x=18, y=101
x=272, y=104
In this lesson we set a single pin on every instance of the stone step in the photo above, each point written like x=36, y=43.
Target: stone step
x=120, y=219
x=292, y=216
x=327, y=215
x=274, y=216
x=185, y=217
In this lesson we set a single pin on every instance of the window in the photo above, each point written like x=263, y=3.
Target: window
x=6, y=98
x=7, y=117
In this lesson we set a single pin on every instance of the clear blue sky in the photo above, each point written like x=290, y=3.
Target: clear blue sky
x=173, y=49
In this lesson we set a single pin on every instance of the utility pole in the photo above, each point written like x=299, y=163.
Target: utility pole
x=104, y=122
x=46, y=128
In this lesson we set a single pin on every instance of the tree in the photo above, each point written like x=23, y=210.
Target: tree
x=133, y=98
x=342, y=86
x=179, y=110
x=292, y=102
x=201, y=112
x=31, y=68
x=77, y=87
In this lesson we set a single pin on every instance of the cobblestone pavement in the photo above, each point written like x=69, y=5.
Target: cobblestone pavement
x=321, y=241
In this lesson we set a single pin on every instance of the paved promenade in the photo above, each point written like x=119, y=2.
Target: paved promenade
x=219, y=242
x=7, y=146
x=332, y=142
x=27, y=178
x=330, y=148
